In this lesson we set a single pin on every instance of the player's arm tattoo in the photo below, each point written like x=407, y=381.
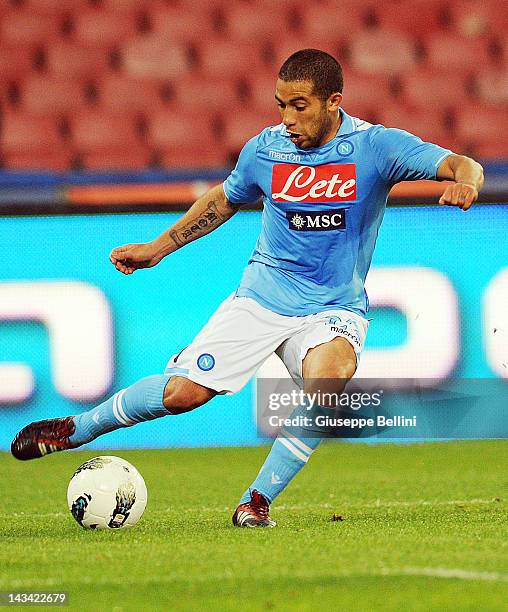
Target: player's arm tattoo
x=205, y=222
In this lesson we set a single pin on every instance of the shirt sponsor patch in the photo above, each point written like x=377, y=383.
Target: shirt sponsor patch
x=326, y=183
x=317, y=221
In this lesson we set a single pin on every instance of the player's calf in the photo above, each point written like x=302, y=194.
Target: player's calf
x=183, y=395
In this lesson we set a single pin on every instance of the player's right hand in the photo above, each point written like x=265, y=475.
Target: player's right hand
x=131, y=257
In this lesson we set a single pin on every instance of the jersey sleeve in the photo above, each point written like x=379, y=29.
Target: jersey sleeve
x=241, y=186
x=401, y=156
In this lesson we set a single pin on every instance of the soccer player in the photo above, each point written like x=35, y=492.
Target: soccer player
x=324, y=177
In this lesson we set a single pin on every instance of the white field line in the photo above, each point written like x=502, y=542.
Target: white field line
x=446, y=572
x=374, y=504
x=430, y=572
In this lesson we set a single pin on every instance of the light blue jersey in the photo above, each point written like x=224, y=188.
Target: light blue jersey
x=322, y=211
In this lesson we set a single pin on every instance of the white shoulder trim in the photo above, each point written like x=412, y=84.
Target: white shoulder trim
x=360, y=125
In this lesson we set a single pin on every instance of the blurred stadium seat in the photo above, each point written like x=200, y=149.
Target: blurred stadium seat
x=132, y=158
x=154, y=57
x=185, y=139
x=331, y=23
x=32, y=142
x=19, y=27
x=471, y=18
x=240, y=127
x=452, y=51
x=480, y=122
x=203, y=94
x=15, y=62
x=492, y=85
x=95, y=131
x=178, y=26
x=365, y=94
x=435, y=88
x=413, y=17
x=382, y=52
x=117, y=94
x=177, y=129
x=55, y=7
x=76, y=61
x=227, y=58
x=426, y=123
x=43, y=95
x=98, y=27
x=271, y=21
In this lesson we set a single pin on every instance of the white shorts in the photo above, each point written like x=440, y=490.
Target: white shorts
x=242, y=334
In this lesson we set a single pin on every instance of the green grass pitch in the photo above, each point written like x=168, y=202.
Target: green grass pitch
x=425, y=527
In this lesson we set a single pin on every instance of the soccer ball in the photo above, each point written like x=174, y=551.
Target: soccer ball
x=107, y=493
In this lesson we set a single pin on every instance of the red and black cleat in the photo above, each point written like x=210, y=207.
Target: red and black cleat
x=253, y=513
x=42, y=438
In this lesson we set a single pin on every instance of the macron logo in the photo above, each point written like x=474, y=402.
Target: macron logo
x=327, y=183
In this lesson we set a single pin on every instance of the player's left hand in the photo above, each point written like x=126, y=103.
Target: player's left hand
x=459, y=194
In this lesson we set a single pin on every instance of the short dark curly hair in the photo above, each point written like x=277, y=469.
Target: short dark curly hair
x=316, y=66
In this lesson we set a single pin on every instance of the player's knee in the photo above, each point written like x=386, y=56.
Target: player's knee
x=330, y=379
x=183, y=395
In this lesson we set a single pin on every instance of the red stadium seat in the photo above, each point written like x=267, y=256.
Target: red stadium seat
x=24, y=134
x=382, y=52
x=450, y=51
x=118, y=93
x=121, y=6
x=364, y=94
x=185, y=140
x=492, y=148
x=435, y=88
x=28, y=28
x=171, y=130
x=209, y=155
x=94, y=130
x=228, y=59
x=179, y=24
x=76, y=61
x=428, y=124
x=48, y=159
x=154, y=57
x=15, y=62
x=132, y=158
x=195, y=93
x=240, y=127
x=268, y=22
x=492, y=85
x=331, y=23
x=413, y=17
x=472, y=18
x=43, y=95
x=479, y=123
x=262, y=91
x=101, y=28
x=55, y=7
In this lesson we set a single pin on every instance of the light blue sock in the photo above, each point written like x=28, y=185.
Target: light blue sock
x=289, y=453
x=140, y=402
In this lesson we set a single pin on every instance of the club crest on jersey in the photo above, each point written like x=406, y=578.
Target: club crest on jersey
x=317, y=221
x=326, y=183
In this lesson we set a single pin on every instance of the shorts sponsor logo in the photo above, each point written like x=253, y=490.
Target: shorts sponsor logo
x=206, y=362
x=317, y=221
x=326, y=183
x=280, y=155
x=341, y=328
